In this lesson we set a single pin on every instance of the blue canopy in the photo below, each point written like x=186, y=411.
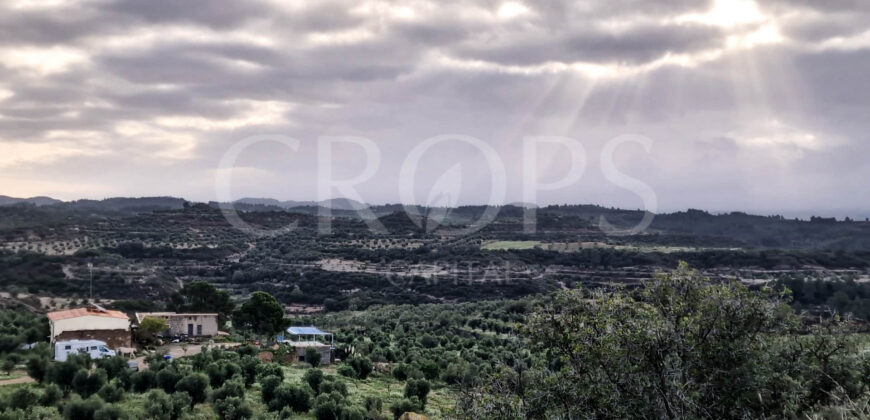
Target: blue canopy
x=306, y=331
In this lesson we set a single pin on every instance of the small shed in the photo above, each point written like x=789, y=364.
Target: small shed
x=301, y=338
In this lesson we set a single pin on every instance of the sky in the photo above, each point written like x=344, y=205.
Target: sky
x=726, y=104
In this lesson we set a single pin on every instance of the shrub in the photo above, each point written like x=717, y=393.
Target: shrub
x=298, y=398
x=109, y=412
x=406, y=405
x=158, y=405
x=37, y=368
x=313, y=357
x=418, y=388
x=143, y=381
x=430, y=370
x=111, y=392
x=332, y=384
x=51, y=394
x=249, y=365
x=87, y=384
x=329, y=406
x=195, y=385
x=23, y=398
x=270, y=369
x=167, y=378
x=314, y=377
x=346, y=370
x=79, y=409
x=232, y=408
x=229, y=389
x=361, y=365
x=268, y=386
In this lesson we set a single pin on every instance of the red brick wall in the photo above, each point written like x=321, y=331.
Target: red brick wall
x=113, y=338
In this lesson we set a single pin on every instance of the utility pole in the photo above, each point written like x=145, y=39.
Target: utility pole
x=91, y=284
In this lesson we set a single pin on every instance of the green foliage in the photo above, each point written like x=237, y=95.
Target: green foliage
x=229, y=389
x=143, y=380
x=330, y=406
x=111, y=392
x=79, y=409
x=51, y=394
x=159, y=405
x=153, y=325
x=331, y=384
x=406, y=405
x=110, y=412
x=23, y=398
x=313, y=377
x=270, y=369
x=679, y=347
x=195, y=385
x=167, y=378
x=261, y=314
x=233, y=408
x=37, y=368
x=200, y=296
x=250, y=365
x=418, y=388
x=362, y=366
x=268, y=385
x=221, y=371
x=297, y=397
x=87, y=384
x=114, y=366
x=312, y=357
x=63, y=373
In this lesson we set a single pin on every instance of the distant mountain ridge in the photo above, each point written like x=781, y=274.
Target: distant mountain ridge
x=333, y=203
x=36, y=201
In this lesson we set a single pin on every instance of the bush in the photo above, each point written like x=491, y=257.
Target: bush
x=158, y=405
x=406, y=405
x=346, y=370
x=221, y=371
x=109, y=412
x=23, y=398
x=298, y=398
x=195, y=385
x=144, y=380
x=418, y=388
x=268, y=386
x=51, y=394
x=87, y=384
x=79, y=409
x=114, y=366
x=329, y=406
x=167, y=378
x=430, y=370
x=37, y=368
x=111, y=392
x=232, y=408
x=270, y=369
x=229, y=389
x=313, y=357
x=361, y=365
x=332, y=384
x=249, y=365
x=314, y=377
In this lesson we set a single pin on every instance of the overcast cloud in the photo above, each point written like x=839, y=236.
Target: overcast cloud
x=750, y=106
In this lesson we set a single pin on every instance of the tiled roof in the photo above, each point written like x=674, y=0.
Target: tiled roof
x=80, y=312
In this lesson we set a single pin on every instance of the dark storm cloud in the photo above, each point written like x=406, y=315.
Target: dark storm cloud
x=763, y=99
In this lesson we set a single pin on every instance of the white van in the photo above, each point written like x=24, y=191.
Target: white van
x=95, y=348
